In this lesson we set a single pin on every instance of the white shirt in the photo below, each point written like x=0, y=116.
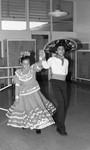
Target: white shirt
x=56, y=66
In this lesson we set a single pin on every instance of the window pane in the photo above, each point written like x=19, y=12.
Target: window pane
x=38, y=12
x=13, y=9
x=13, y=25
x=37, y=25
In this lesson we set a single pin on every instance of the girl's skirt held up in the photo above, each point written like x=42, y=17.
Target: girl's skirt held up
x=32, y=111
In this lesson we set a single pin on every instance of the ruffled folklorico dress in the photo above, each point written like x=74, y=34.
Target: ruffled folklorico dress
x=32, y=110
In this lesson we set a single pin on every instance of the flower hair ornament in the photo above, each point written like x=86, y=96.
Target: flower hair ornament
x=23, y=54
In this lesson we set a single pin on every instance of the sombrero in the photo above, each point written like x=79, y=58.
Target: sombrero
x=69, y=45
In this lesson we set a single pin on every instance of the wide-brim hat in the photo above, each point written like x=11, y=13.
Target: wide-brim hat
x=67, y=43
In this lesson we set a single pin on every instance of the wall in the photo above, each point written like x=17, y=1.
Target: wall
x=60, y=35
x=14, y=35
x=28, y=35
x=82, y=20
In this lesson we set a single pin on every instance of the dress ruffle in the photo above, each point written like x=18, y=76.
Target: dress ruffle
x=32, y=111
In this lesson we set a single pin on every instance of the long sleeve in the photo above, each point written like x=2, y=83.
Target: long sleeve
x=66, y=71
x=37, y=66
x=47, y=64
x=17, y=84
x=17, y=89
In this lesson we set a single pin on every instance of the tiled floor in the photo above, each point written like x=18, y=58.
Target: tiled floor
x=77, y=123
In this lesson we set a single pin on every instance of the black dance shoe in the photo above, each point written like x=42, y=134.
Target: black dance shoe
x=62, y=132
x=38, y=131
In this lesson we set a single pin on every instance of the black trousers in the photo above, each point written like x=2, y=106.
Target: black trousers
x=59, y=89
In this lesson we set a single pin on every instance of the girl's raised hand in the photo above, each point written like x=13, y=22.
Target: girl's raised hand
x=41, y=54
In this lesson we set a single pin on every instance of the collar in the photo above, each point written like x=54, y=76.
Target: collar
x=62, y=58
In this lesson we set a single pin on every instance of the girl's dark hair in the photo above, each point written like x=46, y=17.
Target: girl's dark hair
x=24, y=58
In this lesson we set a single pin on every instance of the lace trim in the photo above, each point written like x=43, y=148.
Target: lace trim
x=24, y=77
x=30, y=91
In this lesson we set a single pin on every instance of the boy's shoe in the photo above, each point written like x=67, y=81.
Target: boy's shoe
x=62, y=132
